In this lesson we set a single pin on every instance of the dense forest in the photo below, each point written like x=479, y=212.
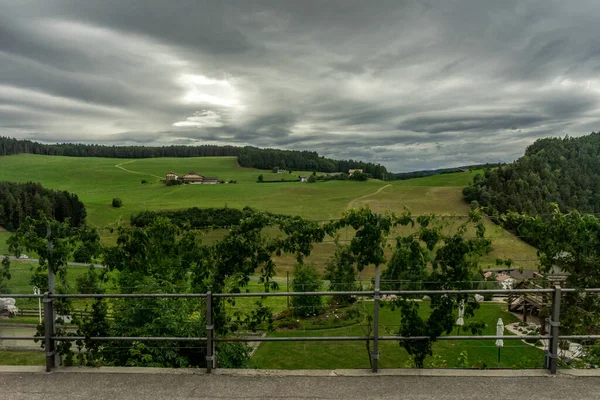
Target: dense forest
x=250, y=157
x=304, y=161
x=21, y=200
x=561, y=171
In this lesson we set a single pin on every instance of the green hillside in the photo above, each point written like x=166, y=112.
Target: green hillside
x=97, y=180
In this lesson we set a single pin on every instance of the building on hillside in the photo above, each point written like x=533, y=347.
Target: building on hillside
x=352, y=171
x=334, y=173
x=213, y=180
x=303, y=178
x=172, y=176
x=192, y=178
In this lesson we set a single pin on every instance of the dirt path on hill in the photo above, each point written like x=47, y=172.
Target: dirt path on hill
x=353, y=203
x=135, y=172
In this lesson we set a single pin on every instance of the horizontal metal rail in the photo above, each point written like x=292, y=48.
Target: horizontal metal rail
x=358, y=338
x=552, y=355
x=21, y=337
x=128, y=295
x=23, y=296
x=130, y=338
x=275, y=294
x=579, y=337
x=272, y=339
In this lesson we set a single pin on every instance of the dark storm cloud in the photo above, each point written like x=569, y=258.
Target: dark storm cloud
x=410, y=84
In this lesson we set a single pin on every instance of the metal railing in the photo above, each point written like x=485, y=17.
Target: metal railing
x=50, y=338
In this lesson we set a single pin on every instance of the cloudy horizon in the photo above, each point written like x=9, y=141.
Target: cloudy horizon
x=409, y=84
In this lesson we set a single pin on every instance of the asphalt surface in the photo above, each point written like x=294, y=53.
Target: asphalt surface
x=68, y=263
x=75, y=385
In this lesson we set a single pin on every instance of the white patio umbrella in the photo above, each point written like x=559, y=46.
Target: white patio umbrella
x=461, y=313
x=499, y=342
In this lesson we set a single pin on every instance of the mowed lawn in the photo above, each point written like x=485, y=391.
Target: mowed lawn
x=353, y=354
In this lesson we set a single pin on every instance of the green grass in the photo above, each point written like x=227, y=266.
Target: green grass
x=20, y=282
x=420, y=199
x=97, y=180
x=3, y=238
x=331, y=355
x=22, y=358
x=455, y=179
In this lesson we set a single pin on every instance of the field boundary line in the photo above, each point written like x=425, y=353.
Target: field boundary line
x=353, y=202
x=135, y=172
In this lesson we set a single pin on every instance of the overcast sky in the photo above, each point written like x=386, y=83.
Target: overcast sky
x=409, y=84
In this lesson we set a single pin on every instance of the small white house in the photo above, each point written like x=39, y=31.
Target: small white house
x=303, y=178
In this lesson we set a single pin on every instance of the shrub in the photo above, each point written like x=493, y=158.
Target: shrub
x=117, y=202
x=306, y=279
x=83, y=253
x=359, y=176
x=144, y=181
x=233, y=355
x=89, y=283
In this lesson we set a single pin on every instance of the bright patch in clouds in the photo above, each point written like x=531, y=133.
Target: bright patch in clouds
x=202, y=90
x=409, y=84
x=201, y=119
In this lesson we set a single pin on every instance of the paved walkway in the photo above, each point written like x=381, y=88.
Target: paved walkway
x=134, y=383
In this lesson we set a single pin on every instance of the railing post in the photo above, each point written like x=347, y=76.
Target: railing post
x=554, y=322
x=210, y=329
x=376, y=296
x=49, y=331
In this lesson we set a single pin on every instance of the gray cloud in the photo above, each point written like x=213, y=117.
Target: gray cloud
x=410, y=84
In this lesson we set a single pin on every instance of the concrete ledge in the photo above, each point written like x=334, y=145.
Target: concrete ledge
x=130, y=370
x=22, y=368
x=580, y=372
x=499, y=373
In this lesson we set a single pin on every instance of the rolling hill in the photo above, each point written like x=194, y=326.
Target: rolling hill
x=97, y=180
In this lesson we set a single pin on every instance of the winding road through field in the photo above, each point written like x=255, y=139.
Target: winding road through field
x=135, y=172
x=352, y=203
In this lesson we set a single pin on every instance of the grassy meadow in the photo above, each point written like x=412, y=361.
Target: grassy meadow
x=98, y=180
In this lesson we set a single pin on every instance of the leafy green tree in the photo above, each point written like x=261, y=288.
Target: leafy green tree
x=261, y=178
x=154, y=259
x=53, y=241
x=117, y=202
x=452, y=259
x=306, y=279
x=342, y=275
x=90, y=282
x=552, y=170
x=359, y=176
x=568, y=244
x=4, y=275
